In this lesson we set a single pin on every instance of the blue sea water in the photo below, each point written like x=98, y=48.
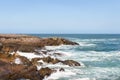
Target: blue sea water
x=99, y=55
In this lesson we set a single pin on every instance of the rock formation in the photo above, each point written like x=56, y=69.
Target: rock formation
x=25, y=68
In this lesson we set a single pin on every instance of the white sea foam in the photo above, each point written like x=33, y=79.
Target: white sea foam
x=38, y=67
x=84, y=79
x=68, y=54
x=53, y=47
x=59, y=74
x=18, y=61
x=29, y=55
x=58, y=65
x=64, y=47
x=86, y=44
x=41, y=61
x=95, y=56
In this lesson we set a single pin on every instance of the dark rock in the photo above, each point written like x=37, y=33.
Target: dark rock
x=45, y=72
x=45, y=59
x=1, y=46
x=71, y=63
x=35, y=61
x=50, y=60
x=61, y=69
x=58, y=54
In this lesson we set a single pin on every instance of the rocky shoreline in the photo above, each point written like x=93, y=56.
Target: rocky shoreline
x=14, y=66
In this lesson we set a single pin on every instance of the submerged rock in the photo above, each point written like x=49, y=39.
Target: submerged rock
x=61, y=69
x=71, y=63
x=50, y=60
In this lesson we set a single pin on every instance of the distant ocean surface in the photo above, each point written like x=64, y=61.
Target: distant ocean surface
x=99, y=55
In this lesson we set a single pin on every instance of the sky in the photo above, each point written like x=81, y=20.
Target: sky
x=60, y=16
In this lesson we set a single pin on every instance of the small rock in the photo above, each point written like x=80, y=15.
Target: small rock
x=45, y=72
x=71, y=63
x=61, y=69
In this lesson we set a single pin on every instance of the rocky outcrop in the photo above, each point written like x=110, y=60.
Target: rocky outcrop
x=61, y=69
x=10, y=69
x=26, y=43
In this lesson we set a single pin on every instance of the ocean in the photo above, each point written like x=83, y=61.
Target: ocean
x=99, y=55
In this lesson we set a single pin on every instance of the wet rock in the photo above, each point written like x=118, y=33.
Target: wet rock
x=45, y=72
x=61, y=69
x=45, y=59
x=35, y=61
x=71, y=63
x=50, y=60
x=58, y=54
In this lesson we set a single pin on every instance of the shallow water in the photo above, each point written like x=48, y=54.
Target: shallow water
x=98, y=54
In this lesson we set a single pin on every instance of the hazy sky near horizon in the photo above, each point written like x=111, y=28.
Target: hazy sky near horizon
x=60, y=16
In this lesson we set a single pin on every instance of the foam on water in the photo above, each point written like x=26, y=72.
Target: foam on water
x=18, y=61
x=60, y=74
x=95, y=56
x=84, y=79
x=83, y=44
x=58, y=65
x=68, y=54
x=29, y=55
